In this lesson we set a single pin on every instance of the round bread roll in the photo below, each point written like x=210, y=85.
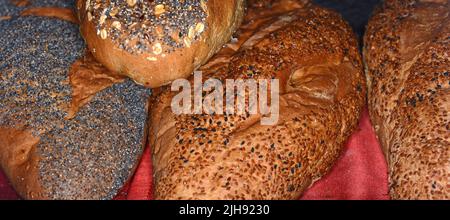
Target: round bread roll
x=314, y=54
x=156, y=41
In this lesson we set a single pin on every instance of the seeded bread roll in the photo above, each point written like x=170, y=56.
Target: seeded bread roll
x=406, y=53
x=44, y=155
x=314, y=54
x=155, y=42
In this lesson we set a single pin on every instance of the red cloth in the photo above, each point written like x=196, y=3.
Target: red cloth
x=360, y=173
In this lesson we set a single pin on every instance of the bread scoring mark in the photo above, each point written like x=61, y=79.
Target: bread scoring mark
x=136, y=25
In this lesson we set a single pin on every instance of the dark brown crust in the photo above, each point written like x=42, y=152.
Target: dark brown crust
x=406, y=53
x=315, y=55
x=223, y=19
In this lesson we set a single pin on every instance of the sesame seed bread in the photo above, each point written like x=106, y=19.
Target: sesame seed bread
x=155, y=42
x=315, y=55
x=44, y=155
x=407, y=64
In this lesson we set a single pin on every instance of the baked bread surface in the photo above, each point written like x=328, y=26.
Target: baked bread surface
x=44, y=155
x=156, y=42
x=407, y=64
x=314, y=54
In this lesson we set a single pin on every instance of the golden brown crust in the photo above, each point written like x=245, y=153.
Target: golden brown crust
x=172, y=55
x=87, y=78
x=66, y=14
x=18, y=155
x=314, y=54
x=20, y=3
x=406, y=53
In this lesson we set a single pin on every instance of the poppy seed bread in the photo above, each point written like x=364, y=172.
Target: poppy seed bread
x=45, y=156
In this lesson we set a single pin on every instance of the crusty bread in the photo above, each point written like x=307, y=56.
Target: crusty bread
x=155, y=42
x=407, y=63
x=315, y=55
x=44, y=155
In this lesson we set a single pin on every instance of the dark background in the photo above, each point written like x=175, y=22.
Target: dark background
x=356, y=12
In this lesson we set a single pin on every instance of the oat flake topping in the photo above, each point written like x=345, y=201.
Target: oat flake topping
x=149, y=26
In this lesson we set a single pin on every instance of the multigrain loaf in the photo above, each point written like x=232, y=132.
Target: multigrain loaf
x=407, y=64
x=44, y=155
x=315, y=55
x=155, y=42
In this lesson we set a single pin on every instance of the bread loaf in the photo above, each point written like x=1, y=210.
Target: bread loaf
x=406, y=53
x=44, y=155
x=155, y=42
x=314, y=54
